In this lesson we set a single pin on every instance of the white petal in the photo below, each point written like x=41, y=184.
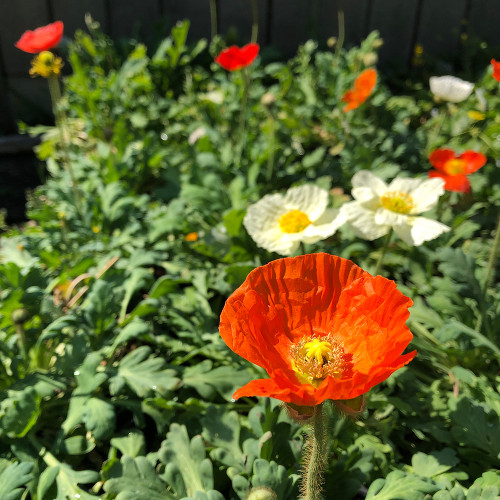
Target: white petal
x=365, y=195
x=419, y=229
x=363, y=221
x=325, y=226
x=427, y=194
x=404, y=185
x=384, y=217
x=309, y=199
x=450, y=88
x=365, y=179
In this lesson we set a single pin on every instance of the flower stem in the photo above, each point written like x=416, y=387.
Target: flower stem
x=255, y=21
x=213, y=18
x=241, y=121
x=270, y=157
x=55, y=95
x=340, y=41
x=490, y=270
x=384, y=250
x=312, y=479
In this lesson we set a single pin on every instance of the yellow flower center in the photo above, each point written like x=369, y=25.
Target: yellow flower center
x=315, y=358
x=294, y=221
x=396, y=201
x=476, y=115
x=46, y=64
x=454, y=166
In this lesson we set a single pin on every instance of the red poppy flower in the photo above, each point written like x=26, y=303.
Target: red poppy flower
x=320, y=326
x=455, y=169
x=234, y=58
x=43, y=38
x=496, y=69
x=363, y=87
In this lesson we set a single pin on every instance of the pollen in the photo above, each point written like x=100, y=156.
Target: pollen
x=315, y=358
x=46, y=64
x=294, y=221
x=454, y=166
x=397, y=201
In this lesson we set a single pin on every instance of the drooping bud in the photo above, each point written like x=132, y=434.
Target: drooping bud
x=20, y=316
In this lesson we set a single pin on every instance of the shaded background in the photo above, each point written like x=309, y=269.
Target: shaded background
x=450, y=31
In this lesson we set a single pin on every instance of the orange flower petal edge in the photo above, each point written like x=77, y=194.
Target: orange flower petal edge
x=40, y=39
x=320, y=326
x=496, y=69
x=363, y=87
x=235, y=58
x=454, y=169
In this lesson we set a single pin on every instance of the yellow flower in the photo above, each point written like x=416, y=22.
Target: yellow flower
x=476, y=115
x=46, y=64
x=95, y=229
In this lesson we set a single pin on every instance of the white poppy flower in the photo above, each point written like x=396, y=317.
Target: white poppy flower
x=378, y=207
x=279, y=223
x=450, y=88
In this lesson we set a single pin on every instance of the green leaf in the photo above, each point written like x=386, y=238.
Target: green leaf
x=139, y=279
x=434, y=464
x=133, y=444
x=143, y=375
x=400, y=486
x=138, y=480
x=12, y=478
x=224, y=379
x=136, y=329
x=187, y=470
x=99, y=418
x=19, y=412
x=46, y=480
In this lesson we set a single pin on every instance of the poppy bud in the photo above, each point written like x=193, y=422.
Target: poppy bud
x=20, y=316
x=262, y=493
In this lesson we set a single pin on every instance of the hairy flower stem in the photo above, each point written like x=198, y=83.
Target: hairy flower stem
x=312, y=478
x=243, y=112
x=55, y=95
x=213, y=18
x=384, y=250
x=255, y=21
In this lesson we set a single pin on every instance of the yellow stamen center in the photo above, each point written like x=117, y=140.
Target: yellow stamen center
x=315, y=358
x=294, y=221
x=454, y=166
x=46, y=64
x=397, y=201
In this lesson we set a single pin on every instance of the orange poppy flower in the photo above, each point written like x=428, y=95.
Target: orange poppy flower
x=455, y=169
x=363, y=87
x=43, y=38
x=235, y=58
x=496, y=69
x=320, y=326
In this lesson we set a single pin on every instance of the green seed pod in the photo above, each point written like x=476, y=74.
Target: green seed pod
x=262, y=493
x=20, y=316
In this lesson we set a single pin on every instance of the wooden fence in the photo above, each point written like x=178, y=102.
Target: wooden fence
x=437, y=25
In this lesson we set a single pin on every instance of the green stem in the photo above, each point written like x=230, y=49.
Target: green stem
x=312, y=479
x=490, y=270
x=55, y=95
x=340, y=41
x=241, y=120
x=255, y=21
x=270, y=157
x=384, y=250
x=21, y=340
x=213, y=18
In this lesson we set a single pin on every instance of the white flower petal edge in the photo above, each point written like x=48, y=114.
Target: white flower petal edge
x=309, y=199
x=362, y=221
x=450, y=88
x=365, y=179
x=426, y=194
x=419, y=229
x=325, y=226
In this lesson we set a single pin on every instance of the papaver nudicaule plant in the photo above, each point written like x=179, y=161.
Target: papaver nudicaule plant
x=323, y=329
x=377, y=207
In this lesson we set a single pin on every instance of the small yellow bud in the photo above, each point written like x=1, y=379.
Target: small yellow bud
x=46, y=64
